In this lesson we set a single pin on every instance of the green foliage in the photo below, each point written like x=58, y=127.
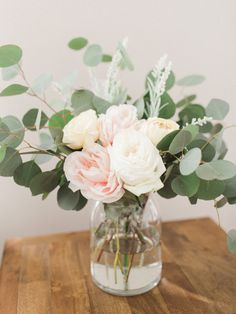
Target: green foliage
x=10, y=72
x=26, y=172
x=78, y=43
x=180, y=141
x=193, y=129
x=9, y=55
x=190, y=162
x=191, y=80
x=208, y=151
x=3, y=150
x=185, y=101
x=186, y=185
x=190, y=112
x=58, y=121
x=93, y=55
x=29, y=119
x=11, y=131
x=230, y=187
x=83, y=100
x=217, y=169
x=164, y=144
x=11, y=161
x=14, y=89
x=41, y=83
x=209, y=190
x=69, y=200
x=170, y=81
x=125, y=61
x=167, y=107
x=140, y=105
x=217, y=109
x=231, y=241
x=45, y=182
x=106, y=58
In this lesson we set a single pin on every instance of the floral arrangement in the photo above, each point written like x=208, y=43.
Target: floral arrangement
x=108, y=145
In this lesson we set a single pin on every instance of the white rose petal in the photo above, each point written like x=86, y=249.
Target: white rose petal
x=156, y=128
x=81, y=130
x=137, y=162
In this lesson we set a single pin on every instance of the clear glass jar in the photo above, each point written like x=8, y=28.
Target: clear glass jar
x=125, y=245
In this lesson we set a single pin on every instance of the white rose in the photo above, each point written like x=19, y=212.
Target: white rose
x=137, y=162
x=156, y=128
x=81, y=130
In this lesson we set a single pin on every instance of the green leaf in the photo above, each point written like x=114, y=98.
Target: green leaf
x=220, y=203
x=26, y=172
x=82, y=100
x=14, y=89
x=12, y=131
x=93, y=55
x=206, y=128
x=78, y=43
x=58, y=121
x=139, y=104
x=69, y=200
x=30, y=117
x=185, y=101
x=45, y=182
x=3, y=150
x=191, y=80
x=208, y=151
x=217, y=109
x=170, y=81
x=125, y=62
x=190, y=162
x=193, y=200
x=10, y=162
x=230, y=187
x=209, y=190
x=192, y=111
x=10, y=72
x=106, y=58
x=231, y=240
x=217, y=169
x=167, y=140
x=100, y=105
x=181, y=140
x=193, y=129
x=232, y=200
x=186, y=185
x=41, y=83
x=167, y=107
x=9, y=55
x=167, y=191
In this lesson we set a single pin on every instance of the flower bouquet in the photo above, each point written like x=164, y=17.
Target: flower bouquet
x=118, y=152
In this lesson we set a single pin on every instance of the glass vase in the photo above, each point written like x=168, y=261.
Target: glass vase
x=125, y=245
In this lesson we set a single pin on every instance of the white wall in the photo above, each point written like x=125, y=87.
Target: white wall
x=199, y=37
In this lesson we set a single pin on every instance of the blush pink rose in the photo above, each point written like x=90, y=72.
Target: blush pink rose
x=116, y=118
x=89, y=171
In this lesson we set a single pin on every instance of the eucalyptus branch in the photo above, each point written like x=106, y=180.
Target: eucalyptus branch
x=33, y=94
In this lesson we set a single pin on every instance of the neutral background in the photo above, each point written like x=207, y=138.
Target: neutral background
x=199, y=37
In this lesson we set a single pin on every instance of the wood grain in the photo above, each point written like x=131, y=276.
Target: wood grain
x=50, y=274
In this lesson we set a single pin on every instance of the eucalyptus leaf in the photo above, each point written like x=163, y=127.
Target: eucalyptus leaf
x=186, y=185
x=106, y=58
x=45, y=182
x=170, y=81
x=11, y=161
x=208, y=151
x=193, y=129
x=14, y=89
x=10, y=72
x=14, y=134
x=9, y=55
x=69, y=200
x=78, y=43
x=58, y=121
x=217, y=109
x=93, y=55
x=192, y=111
x=209, y=190
x=230, y=187
x=217, y=169
x=3, y=150
x=82, y=100
x=180, y=141
x=231, y=240
x=29, y=119
x=186, y=101
x=26, y=172
x=190, y=162
x=167, y=107
x=100, y=105
x=191, y=80
x=164, y=144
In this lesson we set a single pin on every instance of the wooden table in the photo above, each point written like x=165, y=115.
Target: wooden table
x=50, y=274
